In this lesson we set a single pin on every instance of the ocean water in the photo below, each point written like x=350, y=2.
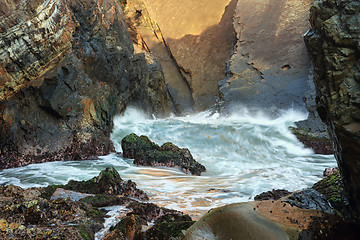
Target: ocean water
x=245, y=153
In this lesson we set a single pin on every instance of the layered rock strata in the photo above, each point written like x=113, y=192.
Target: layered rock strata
x=334, y=45
x=67, y=67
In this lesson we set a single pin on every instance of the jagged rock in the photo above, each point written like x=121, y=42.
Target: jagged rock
x=147, y=153
x=272, y=195
x=39, y=218
x=309, y=199
x=333, y=42
x=167, y=223
x=332, y=188
x=66, y=68
x=107, y=182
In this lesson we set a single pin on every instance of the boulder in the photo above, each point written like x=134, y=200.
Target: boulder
x=147, y=153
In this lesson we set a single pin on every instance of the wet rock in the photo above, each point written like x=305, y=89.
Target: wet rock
x=319, y=142
x=65, y=75
x=166, y=223
x=147, y=153
x=43, y=219
x=71, y=195
x=332, y=188
x=333, y=43
x=272, y=195
x=309, y=199
x=330, y=227
x=330, y=171
x=107, y=182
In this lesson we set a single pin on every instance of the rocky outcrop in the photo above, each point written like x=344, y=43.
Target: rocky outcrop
x=147, y=153
x=40, y=213
x=333, y=42
x=67, y=67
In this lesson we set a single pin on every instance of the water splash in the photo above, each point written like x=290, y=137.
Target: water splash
x=245, y=153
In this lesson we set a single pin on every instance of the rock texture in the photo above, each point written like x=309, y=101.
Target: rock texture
x=147, y=153
x=198, y=37
x=66, y=68
x=333, y=42
x=270, y=66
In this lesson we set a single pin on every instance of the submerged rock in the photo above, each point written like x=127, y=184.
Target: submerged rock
x=147, y=153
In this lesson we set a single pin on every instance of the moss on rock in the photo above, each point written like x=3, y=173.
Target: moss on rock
x=147, y=153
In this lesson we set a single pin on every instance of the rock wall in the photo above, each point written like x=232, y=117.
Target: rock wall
x=237, y=52
x=199, y=38
x=334, y=44
x=270, y=65
x=66, y=68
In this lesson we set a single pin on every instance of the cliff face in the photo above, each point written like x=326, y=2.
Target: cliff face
x=270, y=65
x=66, y=68
x=334, y=45
x=241, y=52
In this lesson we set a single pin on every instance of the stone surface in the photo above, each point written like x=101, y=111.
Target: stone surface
x=252, y=220
x=147, y=153
x=318, y=141
x=333, y=42
x=107, y=182
x=64, y=75
x=332, y=188
x=272, y=195
x=270, y=65
x=147, y=36
x=309, y=199
x=199, y=36
x=166, y=223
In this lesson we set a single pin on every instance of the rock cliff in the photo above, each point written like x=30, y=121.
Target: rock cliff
x=66, y=68
x=334, y=45
x=237, y=52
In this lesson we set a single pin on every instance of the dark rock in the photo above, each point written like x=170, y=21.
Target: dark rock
x=320, y=143
x=332, y=188
x=147, y=153
x=309, y=199
x=66, y=80
x=333, y=43
x=108, y=182
x=272, y=195
x=330, y=171
x=167, y=223
x=330, y=227
x=39, y=218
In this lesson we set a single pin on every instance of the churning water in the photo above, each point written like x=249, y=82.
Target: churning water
x=245, y=154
